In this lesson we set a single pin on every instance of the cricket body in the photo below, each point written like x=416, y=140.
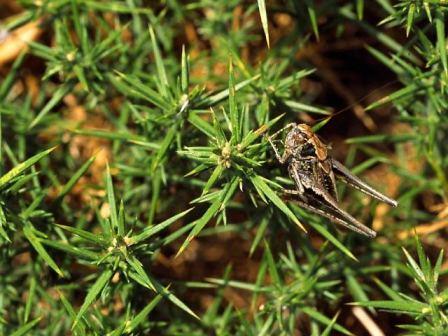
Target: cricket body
x=314, y=173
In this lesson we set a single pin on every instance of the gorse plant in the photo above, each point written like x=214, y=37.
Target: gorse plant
x=139, y=193
x=430, y=313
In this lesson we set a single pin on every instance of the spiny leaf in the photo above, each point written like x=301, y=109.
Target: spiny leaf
x=142, y=277
x=264, y=19
x=360, y=9
x=202, y=125
x=75, y=178
x=213, y=178
x=30, y=299
x=3, y=224
x=330, y=237
x=111, y=199
x=220, y=96
x=331, y=325
x=170, y=296
x=185, y=80
x=150, y=231
x=121, y=219
x=410, y=18
x=272, y=267
x=311, y=8
x=85, y=234
x=315, y=315
x=92, y=294
x=76, y=251
x=164, y=146
x=441, y=38
x=404, y=92
x=60, y=93
x=24, y=330
x=159, y=63
x=261, y=185
x=398, y=306
x=200, y=223
x=234, y=115
x=221, y=199
x=8, y=81
x=80, y=327
x=29, y=233
x=142, y=316
x=390, y=292
x=21, y=167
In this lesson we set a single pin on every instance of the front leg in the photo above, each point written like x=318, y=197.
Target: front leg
x=281, y=158
x=281, y=130
x=292, y=192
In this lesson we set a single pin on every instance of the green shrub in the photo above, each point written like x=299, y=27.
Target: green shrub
x=187, y=232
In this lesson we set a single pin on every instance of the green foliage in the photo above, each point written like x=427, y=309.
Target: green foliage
x=178, y=97
x=430, y=311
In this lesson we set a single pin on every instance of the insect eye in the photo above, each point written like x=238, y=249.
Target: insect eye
x=304, y=135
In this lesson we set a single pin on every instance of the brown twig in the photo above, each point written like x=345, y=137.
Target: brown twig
x=16, y=41
x=367, y=321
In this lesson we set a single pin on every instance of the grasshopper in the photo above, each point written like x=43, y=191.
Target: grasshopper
x=314, y=173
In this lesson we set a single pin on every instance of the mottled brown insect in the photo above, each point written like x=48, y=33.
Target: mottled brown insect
x=314, y=172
